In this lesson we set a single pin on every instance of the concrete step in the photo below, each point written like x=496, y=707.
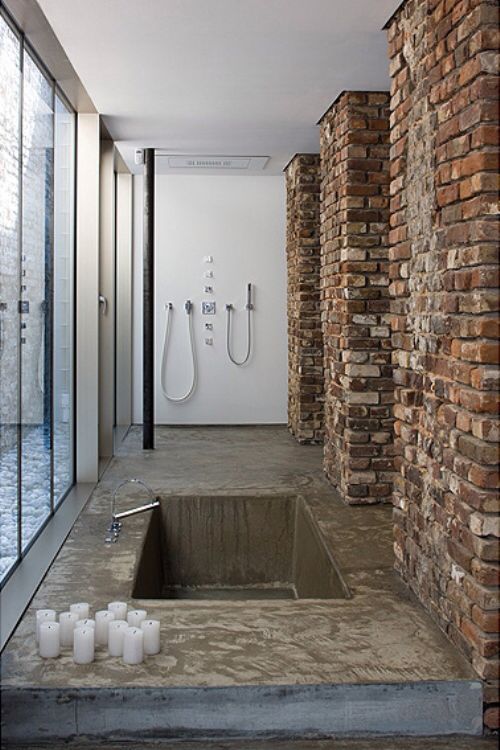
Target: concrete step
x=290, y=711
x=453, y=742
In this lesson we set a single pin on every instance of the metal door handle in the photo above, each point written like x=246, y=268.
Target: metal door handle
x=103, y=302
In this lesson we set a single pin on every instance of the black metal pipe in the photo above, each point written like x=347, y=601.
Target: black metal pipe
x=148, y=300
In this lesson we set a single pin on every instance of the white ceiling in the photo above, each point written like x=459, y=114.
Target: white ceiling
x=221, y=77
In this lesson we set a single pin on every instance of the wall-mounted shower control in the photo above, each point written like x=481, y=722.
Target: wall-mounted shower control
x=208, y=308
x=208, y=274
x=208, y=289
x=209, y=327
x=208, y=259
x=209, y=341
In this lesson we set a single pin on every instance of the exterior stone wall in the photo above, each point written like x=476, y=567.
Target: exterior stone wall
x=305, y=340
x=444, y=272
x=354, y=144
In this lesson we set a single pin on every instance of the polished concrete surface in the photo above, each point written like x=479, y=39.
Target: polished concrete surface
x=396, y=665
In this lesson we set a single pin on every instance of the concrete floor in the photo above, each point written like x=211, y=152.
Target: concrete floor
x=401, y=743
x=380, y=637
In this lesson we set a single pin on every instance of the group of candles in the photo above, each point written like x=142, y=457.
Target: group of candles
x=126, y=633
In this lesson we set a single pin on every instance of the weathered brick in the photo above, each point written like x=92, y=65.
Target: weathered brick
x=355, y=296
x=305, y=340
x=444, y=302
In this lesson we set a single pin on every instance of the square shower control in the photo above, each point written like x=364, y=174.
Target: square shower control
x=208, y=308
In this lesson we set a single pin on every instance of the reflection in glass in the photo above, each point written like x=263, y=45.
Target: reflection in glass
x=36, y=296
x=64, y=180
x=10, y=92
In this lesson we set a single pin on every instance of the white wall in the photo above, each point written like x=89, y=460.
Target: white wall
x=240, y=221
x=87, y=297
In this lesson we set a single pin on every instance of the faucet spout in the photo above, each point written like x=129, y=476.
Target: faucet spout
x=115, y=524
x=139, y=509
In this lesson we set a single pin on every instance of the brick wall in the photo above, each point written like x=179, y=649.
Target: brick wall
x=354, y=144
x=305, y=340
x=444, y=271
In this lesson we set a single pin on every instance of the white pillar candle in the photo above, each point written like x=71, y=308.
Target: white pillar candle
x=67, y=622
x=87, y=623
x=135, y=617
x=151, y=630
x=82, y=609
x=83, y=645
x=133, y=646
x=49, y=645
x=116, y=633
x=102, y=620
x=43, y=615
x=119, y=609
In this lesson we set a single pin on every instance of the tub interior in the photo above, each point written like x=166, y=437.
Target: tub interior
x=235, y=548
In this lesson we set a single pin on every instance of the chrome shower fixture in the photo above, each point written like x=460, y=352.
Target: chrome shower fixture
x=229, y=309
x=188, y=307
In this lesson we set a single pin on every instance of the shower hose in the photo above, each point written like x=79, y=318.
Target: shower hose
x=229, y=309
x=178, y=399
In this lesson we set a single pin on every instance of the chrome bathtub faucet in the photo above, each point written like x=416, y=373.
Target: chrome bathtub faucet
x=115, y=524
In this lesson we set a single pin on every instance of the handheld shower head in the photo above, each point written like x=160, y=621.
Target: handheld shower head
x=188, y=306
x=249, y=297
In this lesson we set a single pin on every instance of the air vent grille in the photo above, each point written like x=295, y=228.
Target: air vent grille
x=214, y=162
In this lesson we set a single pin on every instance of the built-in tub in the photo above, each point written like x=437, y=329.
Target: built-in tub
x=236, y=547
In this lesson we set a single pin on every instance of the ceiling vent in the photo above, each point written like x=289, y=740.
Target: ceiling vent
x=240, y=163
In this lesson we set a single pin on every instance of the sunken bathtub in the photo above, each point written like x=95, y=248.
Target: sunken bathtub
x=236, y=548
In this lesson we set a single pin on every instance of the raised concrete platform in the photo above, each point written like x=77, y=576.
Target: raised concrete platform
x=368, y=665
x=422, y=708
x=452, y=742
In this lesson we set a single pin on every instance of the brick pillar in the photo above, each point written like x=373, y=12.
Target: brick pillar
x=444, y=270
x=305, y=340
x=354, y=141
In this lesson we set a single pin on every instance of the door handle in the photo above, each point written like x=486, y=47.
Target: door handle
x=103, y=302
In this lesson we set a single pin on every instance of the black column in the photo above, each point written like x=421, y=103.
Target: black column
x=148, y=403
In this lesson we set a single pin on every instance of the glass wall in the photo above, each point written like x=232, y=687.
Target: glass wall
x=64, y=213
x=36, y=297
x=10, y=344
x=37, y=153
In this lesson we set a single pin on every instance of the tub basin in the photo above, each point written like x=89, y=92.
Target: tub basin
x=236, y=547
